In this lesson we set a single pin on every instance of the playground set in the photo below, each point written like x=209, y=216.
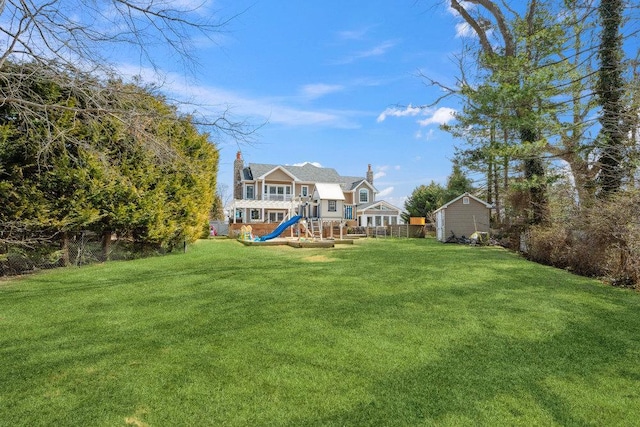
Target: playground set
x=308, y=232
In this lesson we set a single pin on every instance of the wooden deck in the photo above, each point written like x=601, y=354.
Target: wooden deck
x=295, y=243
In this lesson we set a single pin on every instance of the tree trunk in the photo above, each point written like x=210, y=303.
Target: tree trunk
x=610, y=90
x=64, y=246
x=535, y=176
x=106, y=245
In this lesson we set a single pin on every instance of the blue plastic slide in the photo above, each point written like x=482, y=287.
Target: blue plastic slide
x=280, y=229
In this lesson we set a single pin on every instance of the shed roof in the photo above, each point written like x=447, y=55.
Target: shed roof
x=328, y=191
x=471, y=196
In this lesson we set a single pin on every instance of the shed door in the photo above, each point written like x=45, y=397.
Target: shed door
x=440, y=225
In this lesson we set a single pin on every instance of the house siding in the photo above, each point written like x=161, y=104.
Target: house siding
x=261, y=176
x=348, y=199
x=356, y=194
x=298, y=189
x=324, y=210
x=278, y=176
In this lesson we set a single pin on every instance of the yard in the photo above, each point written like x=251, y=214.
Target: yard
x=383, y=332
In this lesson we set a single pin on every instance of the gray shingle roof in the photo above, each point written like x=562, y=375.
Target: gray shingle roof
x=305, y=173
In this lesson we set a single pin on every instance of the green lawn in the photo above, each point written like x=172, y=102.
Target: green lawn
x=380, y=333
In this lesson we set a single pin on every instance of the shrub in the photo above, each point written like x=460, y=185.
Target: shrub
x=616, y=224
x=602, y=241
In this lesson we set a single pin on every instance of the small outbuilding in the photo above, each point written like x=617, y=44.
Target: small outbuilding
x=462, y=216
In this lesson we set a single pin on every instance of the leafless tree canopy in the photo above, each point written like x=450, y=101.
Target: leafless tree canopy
x=65, y=38
x=82, y=31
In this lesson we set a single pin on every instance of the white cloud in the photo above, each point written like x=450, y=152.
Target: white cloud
x=317, y=90
x=381, y=172
x=378, y=50
x=352, y=34
x=384, y=192
x=211, y=100
x=425, y=135
x=397, y=201
x=316, y=164
x=397, y=112
x=465, y=4
x=463, y=29
x=441, y=116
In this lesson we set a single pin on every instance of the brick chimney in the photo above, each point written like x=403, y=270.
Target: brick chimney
x=238, y=165
x=370, y=175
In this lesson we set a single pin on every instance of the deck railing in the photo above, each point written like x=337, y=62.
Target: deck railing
x=277, y=197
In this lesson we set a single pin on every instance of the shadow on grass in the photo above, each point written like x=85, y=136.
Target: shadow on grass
x=456, y=340
x=586, y=373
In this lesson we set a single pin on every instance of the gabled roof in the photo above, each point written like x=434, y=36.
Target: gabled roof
x=305, y=173
x=379, y=203
x=262, y=176
x=469, y=195
x=356, y=184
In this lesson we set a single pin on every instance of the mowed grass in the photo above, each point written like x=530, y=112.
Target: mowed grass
x=380, y=333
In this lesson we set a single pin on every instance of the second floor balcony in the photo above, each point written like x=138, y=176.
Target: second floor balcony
x=277, y=197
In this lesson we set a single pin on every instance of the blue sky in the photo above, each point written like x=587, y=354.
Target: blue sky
x=335, y=83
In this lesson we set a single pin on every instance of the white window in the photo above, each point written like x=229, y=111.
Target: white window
x=364, y=195
x=332, y=206
x=255, y=214
x=304, y=191
x=276, y=216
x=279, y=192
x=249, y=193
x=465, y=200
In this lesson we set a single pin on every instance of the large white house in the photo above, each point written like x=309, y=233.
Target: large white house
x=270, y=193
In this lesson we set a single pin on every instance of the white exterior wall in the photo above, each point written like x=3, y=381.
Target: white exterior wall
x=324, y=210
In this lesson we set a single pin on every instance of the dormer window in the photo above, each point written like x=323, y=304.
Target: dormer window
x=364, y=195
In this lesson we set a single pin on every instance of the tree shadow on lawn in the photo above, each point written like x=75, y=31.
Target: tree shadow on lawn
x=585, y=373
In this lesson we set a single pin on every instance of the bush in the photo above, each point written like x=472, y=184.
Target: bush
x=616, y=223
x=601, y=241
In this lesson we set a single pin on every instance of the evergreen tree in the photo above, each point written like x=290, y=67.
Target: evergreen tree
x=457, y=183
x=153, y=181
x=424, y=200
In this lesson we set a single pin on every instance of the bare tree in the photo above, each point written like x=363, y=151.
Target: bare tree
x=82, y=31
x=67, y=38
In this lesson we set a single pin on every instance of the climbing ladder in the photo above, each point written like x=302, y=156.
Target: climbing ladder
x=315, y=227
